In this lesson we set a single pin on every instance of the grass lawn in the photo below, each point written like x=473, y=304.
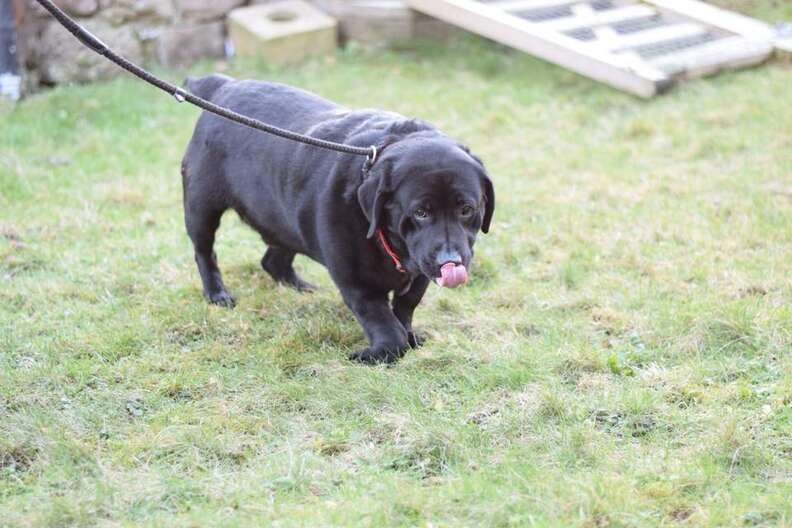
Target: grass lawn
x=620, y=358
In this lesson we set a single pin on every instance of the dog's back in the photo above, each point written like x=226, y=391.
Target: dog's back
x=206, y=86
x=265, y=178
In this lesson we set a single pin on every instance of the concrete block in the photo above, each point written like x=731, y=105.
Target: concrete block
x=282, y=32
x=426, y=27
x=383, y=22
x=377, y=22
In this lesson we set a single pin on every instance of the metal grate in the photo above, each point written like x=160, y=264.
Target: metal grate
x=657, y=49
x=544, y=14
x=623, y=28
x=640, y=46
x=638, y=24
x=584, y=34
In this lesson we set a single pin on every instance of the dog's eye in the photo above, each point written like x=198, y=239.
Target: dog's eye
x=421, y=214
x=467, y=210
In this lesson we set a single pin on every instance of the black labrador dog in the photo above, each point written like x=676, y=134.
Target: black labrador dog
x=413, y=217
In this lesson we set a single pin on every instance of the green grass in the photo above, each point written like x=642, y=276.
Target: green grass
x=621, y=357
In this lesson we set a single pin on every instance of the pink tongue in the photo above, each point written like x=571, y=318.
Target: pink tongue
x=452, y=275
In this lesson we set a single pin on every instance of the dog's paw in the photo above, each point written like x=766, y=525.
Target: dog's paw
x=415, y=339
x=375, y=355
x=222, y=298
x=301, y=285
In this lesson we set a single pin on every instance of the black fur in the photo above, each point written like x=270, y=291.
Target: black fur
x=427, y=193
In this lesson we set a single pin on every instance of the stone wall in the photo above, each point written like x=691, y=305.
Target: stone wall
x=175, y=33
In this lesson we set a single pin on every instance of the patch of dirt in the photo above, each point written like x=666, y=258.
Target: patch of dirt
x=594, y=381
x=752, y=291
x=528, y=330
x=610, y=321
x=14, y=264
x=234, y=454
x=582, y=305
x=426, y=457
x=484, y=415
x=572, y=369
x=296, y=371
x=332, y=448
x=598, y=520
x=620, y=424
x=17, y=459
x=11, y=234
x=754, y=518
x=390, y=427
x=680, y=514
x=684, y=397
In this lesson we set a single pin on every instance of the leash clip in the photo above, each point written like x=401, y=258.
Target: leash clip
x=371, y=158
x=180, y=95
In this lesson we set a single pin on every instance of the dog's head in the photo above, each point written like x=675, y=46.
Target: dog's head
x=431, y=196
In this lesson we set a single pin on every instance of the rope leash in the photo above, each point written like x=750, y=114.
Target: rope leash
x=90, y=40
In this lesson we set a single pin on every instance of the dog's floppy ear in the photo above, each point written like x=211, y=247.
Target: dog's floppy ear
x=489, y=192
x=373, y=194
x=489, y=205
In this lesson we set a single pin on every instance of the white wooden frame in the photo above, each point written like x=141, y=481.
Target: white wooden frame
x=623, y=73
x=715, y=16
x=603, y=60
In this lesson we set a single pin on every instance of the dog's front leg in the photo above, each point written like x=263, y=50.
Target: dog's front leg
x=404, y=306
x=386, y=335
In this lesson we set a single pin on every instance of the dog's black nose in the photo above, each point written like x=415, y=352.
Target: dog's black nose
x=445, y=256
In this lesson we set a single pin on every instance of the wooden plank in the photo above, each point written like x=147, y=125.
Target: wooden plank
x=527, y=5
x=582, y=10
x=706, y=59
x=783, y=39
x=619, y=71
x=784, y=44
x=650, y=36
x=603, y=35
x=715, y=16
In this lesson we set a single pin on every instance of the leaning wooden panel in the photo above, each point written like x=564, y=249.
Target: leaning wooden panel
x=599, y=18
x=622, y=72
x=721, y=18
x=616, y=42
x=784, y=44
x=524, y=5
x=707, y=59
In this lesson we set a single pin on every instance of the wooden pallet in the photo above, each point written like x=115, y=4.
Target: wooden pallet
x=641, y=47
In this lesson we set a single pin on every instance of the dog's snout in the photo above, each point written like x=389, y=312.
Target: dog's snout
x=446, y=255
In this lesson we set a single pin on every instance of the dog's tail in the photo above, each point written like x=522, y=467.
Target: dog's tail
x=206, y=86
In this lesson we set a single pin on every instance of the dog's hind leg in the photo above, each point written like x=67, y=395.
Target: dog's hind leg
x=278, y=263
x=202, y=223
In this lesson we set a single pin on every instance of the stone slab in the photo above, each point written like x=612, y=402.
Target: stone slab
x=63, y=58
x=183, y=45
x=205, y=10
x=383, y=22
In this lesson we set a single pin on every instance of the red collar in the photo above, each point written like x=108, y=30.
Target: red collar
x=389, y=250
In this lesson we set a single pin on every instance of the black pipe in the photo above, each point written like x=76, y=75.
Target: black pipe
x=9, y=64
